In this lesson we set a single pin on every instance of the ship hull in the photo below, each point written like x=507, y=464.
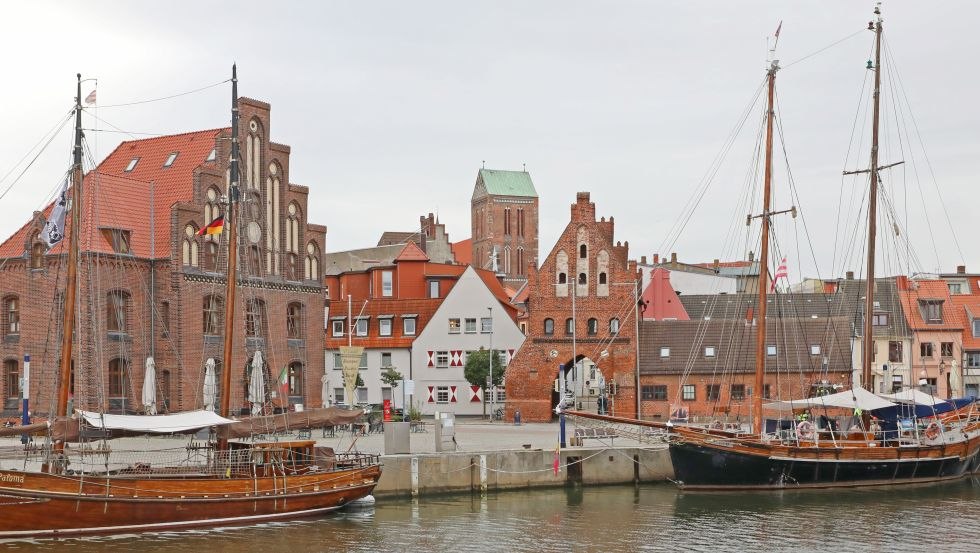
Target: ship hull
x=37, y=504
x=699, y=465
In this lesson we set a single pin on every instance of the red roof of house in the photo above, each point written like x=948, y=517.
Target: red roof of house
x=463, y=251
x=929, y=290
x=497, y=289
x=967, y=308
x=119, y=199
x=423, y=308
x=411, y=252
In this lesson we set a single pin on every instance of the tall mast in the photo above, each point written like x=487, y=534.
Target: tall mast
x=232, y=225
x=760, y=337
x=872, y=216
x=71, y=284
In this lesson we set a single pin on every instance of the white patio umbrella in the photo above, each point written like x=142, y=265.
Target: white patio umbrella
x=324, y=390
x=210, y=385
x=150, y=388
x=256, y=384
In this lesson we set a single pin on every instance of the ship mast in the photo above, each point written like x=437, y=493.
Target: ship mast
x=872, y=216
x=231, y=224
x=760, y=337
x=71, y=284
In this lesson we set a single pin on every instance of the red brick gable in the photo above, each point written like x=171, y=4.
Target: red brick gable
x=411, y=252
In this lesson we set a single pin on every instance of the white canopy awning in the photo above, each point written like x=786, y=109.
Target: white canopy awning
x=160, y=424
x=855, y=398
x=912, y=395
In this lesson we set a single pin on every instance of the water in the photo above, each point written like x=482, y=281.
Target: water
x=622, y=518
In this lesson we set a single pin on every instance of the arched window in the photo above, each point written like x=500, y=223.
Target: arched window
x=602, y=278
x=295, y=380
x=294, y=320
x=210, y=256
x=11, y=315
x=593, y=327
x=38, y=249
x=569, y=326
x=562, y=278
x=11, y=378
x=212, y=199
x=292, y=228
x=291, y=266
x=549, y=326
x=312, y=262
x=254, y=318
x=613, y=326
x=254, y=262
x=582, y=279
x=520, y=261
x=213, y=312
x=582, y=251
x=117, y=307
x=189, y=247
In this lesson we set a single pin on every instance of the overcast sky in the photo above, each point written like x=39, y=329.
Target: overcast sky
x=391, y=107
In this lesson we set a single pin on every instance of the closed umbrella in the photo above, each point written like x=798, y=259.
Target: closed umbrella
x=150, y=388
x=324, y=390
x=256, y=384
x=210, y=385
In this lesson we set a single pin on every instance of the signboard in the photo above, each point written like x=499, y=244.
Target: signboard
x=386, y=410
x=409, y=387
x=350, y=361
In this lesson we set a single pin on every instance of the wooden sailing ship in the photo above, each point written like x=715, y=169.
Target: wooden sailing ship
x=232, y=479
x=806, y=457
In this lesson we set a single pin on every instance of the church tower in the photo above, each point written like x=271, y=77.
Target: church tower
x=504, y=220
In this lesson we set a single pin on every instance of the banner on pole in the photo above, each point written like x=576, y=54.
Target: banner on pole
x=350, y=360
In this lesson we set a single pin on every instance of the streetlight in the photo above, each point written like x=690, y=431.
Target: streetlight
x=490, y=378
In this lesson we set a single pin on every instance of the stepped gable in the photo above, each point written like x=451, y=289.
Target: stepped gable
x=586, y=252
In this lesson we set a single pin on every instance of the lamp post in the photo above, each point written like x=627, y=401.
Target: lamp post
x=490, y=379
x=942, y=371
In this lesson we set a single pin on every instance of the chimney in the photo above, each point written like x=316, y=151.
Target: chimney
x=849, y=275
x=643, y=260
x=902, y=282
x=673, y=257
x=656, y=258
x=961, y=269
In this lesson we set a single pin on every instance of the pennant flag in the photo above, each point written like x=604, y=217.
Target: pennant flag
x=779, y=28
x=54, y=229
x=214, y=227
x=90, y=99
x=284, y=383
x=781, y=272
x=557, y=459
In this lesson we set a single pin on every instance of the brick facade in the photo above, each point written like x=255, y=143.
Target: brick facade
x=167, y=273
x=608, y=293
x=507, y=220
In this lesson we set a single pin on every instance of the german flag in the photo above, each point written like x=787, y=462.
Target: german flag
x=214, y=227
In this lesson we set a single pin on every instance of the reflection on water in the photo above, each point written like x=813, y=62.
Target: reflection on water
x=621, y=518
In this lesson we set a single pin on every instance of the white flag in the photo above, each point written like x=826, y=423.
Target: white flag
x=54, y=228
x=90, y=99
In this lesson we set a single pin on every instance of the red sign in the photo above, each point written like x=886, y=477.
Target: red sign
x=387, y=410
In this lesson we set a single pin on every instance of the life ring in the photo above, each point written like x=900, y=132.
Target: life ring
x=932, y=431
x=804, y=430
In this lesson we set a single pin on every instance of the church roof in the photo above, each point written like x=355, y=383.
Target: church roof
x=507, y=183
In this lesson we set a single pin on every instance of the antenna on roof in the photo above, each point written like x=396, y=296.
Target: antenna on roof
x=483, y=164
x=524, y=167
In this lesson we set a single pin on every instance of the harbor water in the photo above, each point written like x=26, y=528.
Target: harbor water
x=648, y=517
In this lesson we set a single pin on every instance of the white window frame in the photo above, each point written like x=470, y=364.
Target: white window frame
x=815, y=349
x=361, y=394
x=467, y=322
x=361, y=329
x=433, y=289
x=664, y=352
x=442, y=359
x=688, y=388
x=405, y=325
x=709, y=351
x=384, y=327
x=771, y=350
x=976, y=327
x=388, y=355
x=338, y=328
x=387, y=284
x=455, y=326
x=442, y=394
x=338, y=363
x=486, y=325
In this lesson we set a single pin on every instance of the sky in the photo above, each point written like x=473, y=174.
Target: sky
x=391, y=107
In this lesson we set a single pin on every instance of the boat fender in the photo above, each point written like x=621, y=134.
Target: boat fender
x=932, y=431
x=804, y=430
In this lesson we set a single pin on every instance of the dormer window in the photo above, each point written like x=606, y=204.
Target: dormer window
x=932, y=311
x=213, y=155
x=132, y=165
x=118, y=238
x=170, y=159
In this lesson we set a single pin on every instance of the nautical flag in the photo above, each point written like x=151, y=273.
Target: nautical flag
x=214, y=227
x=781, y=272
x=284, y=383
x=779, y=28
x=557, y=458
x=90, y=99
x=54, y=229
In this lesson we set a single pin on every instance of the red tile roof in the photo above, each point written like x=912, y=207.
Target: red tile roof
x=463, y=251
x=929, y=290
x=424, y=308
x=411, y=252
x=967, y=308
x=120, y=199
x=497, y=289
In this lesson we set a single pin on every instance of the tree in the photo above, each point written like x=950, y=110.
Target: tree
x=477, y=370
x=391, y=377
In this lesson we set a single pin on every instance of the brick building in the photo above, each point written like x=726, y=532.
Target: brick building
x=504, y=219
x=585, y=265
x=149, y=286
